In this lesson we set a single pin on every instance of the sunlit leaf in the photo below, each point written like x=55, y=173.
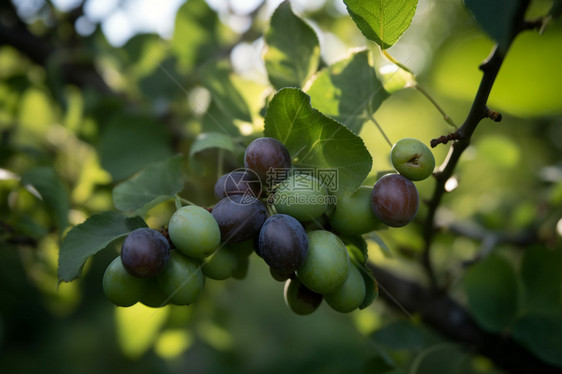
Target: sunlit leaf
x=293, y=50
x=348, y=91
x=499, y=18
x=129, y=143
x=88, y=238
x=317, y=141
x=154, y=184
x=217, y=78
x=380, y=242
x=195, y=36
x=138, y=327
x=528, y=84
x=491, y=287
x=51, y=190
x=382, y=21
x=209, y=140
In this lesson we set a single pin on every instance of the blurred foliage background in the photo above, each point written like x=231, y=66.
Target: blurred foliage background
x=91, y=92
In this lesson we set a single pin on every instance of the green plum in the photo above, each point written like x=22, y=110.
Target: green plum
x=412, y=159
x=122, y=288
x=181, y=280
x=299, y=298
x=154, y=297
x=350, y=295
x=222, y=264
x=194, y=231
x=301, y=196
x=353, y=214
x=327, y=264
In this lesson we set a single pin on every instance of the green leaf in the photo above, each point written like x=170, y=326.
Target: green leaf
x=212, y=140
x=542, y=335
x=293, y=50
x=348, y=91
x=522, y=75
x=441, y=358
x=542, y=279
x=382, y=21
x=217, y=78
x=317, y=141
x=491, y=287
x=88, y=238
x=498, y=18
x=195, y=36
x=129, y=143
x=382, y=245
x=154, y=184
x=402, y=335
x=51, y=190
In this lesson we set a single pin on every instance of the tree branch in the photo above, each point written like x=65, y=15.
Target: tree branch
x=461, y=137
x=450, y=319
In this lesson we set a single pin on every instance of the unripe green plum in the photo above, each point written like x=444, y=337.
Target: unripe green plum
x=194, y=231
x=122, y=288
x=299, y=298
x=154, y=297
x=327, y=264
x=353, y=214
x=301, y=196
x=350, y=295
x=181, y=280
x=222, y=264
x=412, y=159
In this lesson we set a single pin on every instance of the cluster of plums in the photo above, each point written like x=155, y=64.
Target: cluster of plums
x=286, y=216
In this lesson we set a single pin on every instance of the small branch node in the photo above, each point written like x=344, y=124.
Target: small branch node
x=444, y=139
x=493, y=115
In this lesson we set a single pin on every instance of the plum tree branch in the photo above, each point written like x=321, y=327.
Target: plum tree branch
x=461, y=139
x=450, y=319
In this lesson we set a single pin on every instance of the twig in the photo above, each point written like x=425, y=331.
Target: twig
x=446, y=117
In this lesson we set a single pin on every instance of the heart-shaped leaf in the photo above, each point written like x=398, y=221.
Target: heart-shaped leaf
x=382, y=21
x=317, y=142
x=90, y=237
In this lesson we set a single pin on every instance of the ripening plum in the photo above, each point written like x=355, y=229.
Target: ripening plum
x=283, y=243
x=269, y=158
x=239, y=217
x=238, y=182
x=395, y=200
x=145, y=252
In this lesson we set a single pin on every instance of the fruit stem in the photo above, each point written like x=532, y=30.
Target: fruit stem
x=181, y=201
x=372, y=118
x=446, y=117
x=395, y=62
